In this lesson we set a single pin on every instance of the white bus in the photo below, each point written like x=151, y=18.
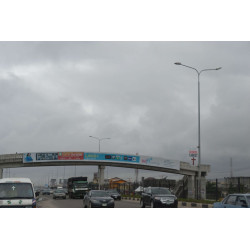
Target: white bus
x=17, y=192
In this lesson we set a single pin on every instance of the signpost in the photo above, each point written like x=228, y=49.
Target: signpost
x=193, y=154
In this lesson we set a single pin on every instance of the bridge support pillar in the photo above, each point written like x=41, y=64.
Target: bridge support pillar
x=203, y=188
x=1, y=173
x=191, y=187
x=101, y=176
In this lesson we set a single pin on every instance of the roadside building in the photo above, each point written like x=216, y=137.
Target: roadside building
x=115, y=183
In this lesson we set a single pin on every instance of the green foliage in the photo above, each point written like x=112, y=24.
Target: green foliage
x=236, y=189
x=211, y=190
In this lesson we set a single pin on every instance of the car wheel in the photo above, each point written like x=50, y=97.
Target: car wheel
x=142, y=204
x=152, y=204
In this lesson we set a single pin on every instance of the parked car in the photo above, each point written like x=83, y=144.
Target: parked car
x=234, y=201
x=158, y=197
x=59, y=193
x=98, y=198
x=114, y=194
x=46, y=192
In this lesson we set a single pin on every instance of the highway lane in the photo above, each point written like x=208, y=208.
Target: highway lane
x=46, y=201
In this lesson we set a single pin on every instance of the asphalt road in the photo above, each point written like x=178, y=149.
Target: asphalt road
x=47, y=201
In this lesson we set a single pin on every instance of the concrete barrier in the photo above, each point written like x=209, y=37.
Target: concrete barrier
x=181, y=204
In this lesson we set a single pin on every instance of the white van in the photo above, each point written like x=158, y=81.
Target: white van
x=17, y=192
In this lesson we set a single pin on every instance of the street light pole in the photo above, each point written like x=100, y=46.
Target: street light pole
x=199, y=134
x=99, y=139
x=99, y=167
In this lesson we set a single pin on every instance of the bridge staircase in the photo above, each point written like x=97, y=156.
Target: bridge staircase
x=181, y=188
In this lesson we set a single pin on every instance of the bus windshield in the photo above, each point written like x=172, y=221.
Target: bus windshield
x=16, y=191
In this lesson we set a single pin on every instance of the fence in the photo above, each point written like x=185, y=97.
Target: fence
x=216, y=190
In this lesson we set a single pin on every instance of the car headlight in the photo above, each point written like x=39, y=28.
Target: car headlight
x=157, y=198
x=111, y=201
x=94, y=201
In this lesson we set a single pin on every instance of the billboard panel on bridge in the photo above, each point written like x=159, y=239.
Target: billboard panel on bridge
x=112, y=157
x=52, y=156
x=64, y=156
x=160, y=162
x=103, y=157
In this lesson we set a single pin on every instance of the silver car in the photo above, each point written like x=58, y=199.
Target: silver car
x=59, y=193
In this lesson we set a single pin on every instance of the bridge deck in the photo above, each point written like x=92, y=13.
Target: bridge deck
x=16, y=161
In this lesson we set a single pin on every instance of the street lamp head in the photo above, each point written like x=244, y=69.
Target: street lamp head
x=219, y=68
x=177, y=63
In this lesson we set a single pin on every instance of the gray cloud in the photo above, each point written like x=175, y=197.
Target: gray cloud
x=55, y=94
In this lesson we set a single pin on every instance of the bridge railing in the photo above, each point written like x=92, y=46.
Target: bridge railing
x=11, y=158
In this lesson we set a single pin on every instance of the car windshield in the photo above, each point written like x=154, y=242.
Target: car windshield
x=16, y=191
x=160, y=191
x=80, y=184
x=99, y=194
x=59, y=191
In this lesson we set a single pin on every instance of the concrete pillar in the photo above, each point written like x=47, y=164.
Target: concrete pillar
x=203, y=188
x=1, y=173
x=191, y=187
x=101, y=176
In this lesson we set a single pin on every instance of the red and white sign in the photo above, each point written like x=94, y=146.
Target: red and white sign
x=70, y=156
x=193, y=154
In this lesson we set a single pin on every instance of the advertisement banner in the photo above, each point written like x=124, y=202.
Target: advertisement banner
x=111, y=157
x=52, y=156
x=46, y=156
x=29, y=157
x=70, y=156
x=90, y=156
x=160, y=162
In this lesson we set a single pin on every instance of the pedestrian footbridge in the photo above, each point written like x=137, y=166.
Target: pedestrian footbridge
x=151, y=163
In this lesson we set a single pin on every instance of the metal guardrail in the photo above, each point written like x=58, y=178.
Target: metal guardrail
x=11, y=158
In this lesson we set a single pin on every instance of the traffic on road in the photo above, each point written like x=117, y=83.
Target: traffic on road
x=20, y=193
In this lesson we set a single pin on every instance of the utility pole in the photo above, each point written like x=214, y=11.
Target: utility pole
x=199, y=195
x=136, y=175
x=231, y=167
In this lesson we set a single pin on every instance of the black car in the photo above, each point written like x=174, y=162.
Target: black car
x=114, y=194
x=98, y=198
x=158, y=197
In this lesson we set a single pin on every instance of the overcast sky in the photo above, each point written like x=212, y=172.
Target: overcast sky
x=54, y=95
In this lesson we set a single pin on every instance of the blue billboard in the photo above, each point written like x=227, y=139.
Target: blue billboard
x=111, y=157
